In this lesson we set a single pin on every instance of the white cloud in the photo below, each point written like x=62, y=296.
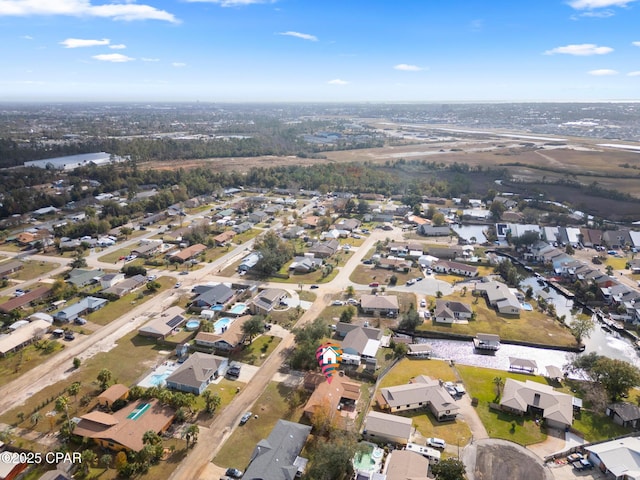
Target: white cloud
x=113, y=57
x=178, y=64
x=337, y=81
x=583, y=49
x=592, y=4
x=303, y=36
x=81, y=43
x=27, y=37
x=147, y=59
x=126, y=11
x=597, y=14
x=119, y=46
x=232, y=3
x=637, y=44
x=603, y=72
x=408, y=68
x=633, y=74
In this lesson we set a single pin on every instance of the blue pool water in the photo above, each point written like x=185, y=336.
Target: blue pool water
x=157, y=379
x=222, y=323
x=192, y=325
x=526, y=306
x=238, y=309
x=217, y=308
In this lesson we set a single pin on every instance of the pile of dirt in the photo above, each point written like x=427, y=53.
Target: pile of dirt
x=502, y=460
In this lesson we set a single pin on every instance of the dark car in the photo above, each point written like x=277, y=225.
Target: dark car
x=245, y=418
x=233, y=473
x=314, y=286
x=582, y=464
x=233, y=371
x=69, y=335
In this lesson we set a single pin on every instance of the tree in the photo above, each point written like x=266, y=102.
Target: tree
x=363, y=207
x=153, y=286
x=105, y=460
x=104, y=377
x=350, y=291
x=581, y=327
x=274, y=253
x=211, y=401
x=616, y=376
x=76, y=362
x=332, y=457
x=35, y=418
x=497, y=209
x=74, y=389
x=609, y=270
x=400, y=349
x=498, y=383
x=307, y=340
x=191, y=434
x=449, y=468
x=253, y=327
x=78, y=260
x=126, y=231
x=121, y=461
x=438, y=219
x=569, y=250
x=347, y=314
x=151, y=438
x=411, y=320
x=88, y=457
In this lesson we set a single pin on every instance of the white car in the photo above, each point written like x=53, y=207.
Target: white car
x=423, y=303
x=436, y=443
x=337, y=303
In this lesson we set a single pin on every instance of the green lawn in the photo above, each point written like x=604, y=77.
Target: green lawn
x=597, y=427
x=15, y=364
x=531, y=326
x=270, y=407
x=258, y=351
x=454, y=433
x=33, y=269
x=618, y=263
x=407, y=368
x=226, y=390
x=114, y=257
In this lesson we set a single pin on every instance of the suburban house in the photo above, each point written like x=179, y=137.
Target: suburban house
x=230, y=339
x=81, y=278
x=126, y=286
x=188, y=253
x=110, y=279
x=278, y=456
x=431, y=231
x=305, y=264
x=349, y=224
x=384, y=428
x=405, y=464
x=224, y=238
x=249, y=261
x=379, y=305
x=258, y=216
x=216, y=295
x=86, y=305
x=22, y=336
x=310, y=221
x=10, y=267
x=33, y=296
x=147, y=248
x=325, y=249
x=124, y=429
x=625, y=414
x=394, y=263
x=292, y=232
x=341, y=395
x=168, y=322
x=446, y=266
x=112, y=394
x=537, y=399
x=422, y=392
x=242, y=227
x=267, y=300
x=360, y=341
x=616, y=238
x=452, y=312
x=500, y=297
x=618, y=459
x=197, y=372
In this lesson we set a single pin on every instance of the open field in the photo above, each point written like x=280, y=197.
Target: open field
x=33, y=269
x=408, y=368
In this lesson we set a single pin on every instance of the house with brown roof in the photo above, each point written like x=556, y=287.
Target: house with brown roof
x=341, y=395
x=555, y=408
x=379, y=304
x=197, y=372
x=422, y=392
x=383, y=428
x=325, y=249
x=405, y=464
x=124, y=429
x=310, y=221
x=229, y=340
x=188, y=253
x=147, y=248
x=394, y=263
x=224, y=238
x=33, y=296
x=169, y=321
x=112, y=394
x=266, y=300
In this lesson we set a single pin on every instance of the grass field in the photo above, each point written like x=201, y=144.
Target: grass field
x=258, y=351
x=33, y=269
x=531, y=326
x=270, y=407
x=407, y=368
x=15, y=364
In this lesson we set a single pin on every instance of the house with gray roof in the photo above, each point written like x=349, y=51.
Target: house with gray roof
x=625, y=414
x=267, y=300
x=452, y=312
x=618, y=459
x=217, y=295
x=86, y=305
x=81, y=277
x=555, y=408
x=361, y=341
x=197, y=372
x=379, y=304
x=383, y=428
x=422, y=392
x=10, y=267
x=431, y=231
x=126, y=286
x=170, y=320
x=500, y=297
x=278, y=456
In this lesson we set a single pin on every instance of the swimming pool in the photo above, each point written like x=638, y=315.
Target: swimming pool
x=222, y=325
x=192, y=325
x=526, y=306
x=368, y=459
x=158, y=376
x=238, y=309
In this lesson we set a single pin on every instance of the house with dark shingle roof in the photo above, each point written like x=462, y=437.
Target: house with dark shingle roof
x=379, y=304
x=278, y=456
x=197, y=372
x=625, y=414
x=217, y=295
x=449, y=312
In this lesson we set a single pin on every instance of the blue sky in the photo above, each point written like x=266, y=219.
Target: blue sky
x=320, y=50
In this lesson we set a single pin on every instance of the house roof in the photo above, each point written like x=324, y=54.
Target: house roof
x=233, y=335
x=165, y=323
x=268, y=298
x=621, y=456
x=553, y=371
x=555, y=405
x=10, y=266
x=196, y=370
x=626, y=411
x=330, y=394
x=422, y=389
x=406, y=465
x=17, y=302
x=447, y=309
x=125, y=426
x=379, y=302
x=522, y=363
x=274, y=457
x=113, y=393
x=343, y=328
x=87, y=303
x=388, y=425
x=358, y=340
x=216, y=295
x=225, y=236
x=81, y=277
x=189, y=252
x=126, y=285
x=22, y=335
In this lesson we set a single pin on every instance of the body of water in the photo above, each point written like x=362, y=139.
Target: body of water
x=469, y=231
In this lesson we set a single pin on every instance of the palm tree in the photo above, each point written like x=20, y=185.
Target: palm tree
x=35, y=418
x=191, y=434
x=74, y=389
x=151, y=438
x=104, y=377
x=212, y=401
x=105, y=460
x=88, y=457
x=464, y=290
x=350, y=291
x=499, y=384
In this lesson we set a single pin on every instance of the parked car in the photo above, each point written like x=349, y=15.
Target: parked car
x=419, y=279
x=582, y=464
x=423, y=303
x=436, y=443
x=337, y=303
x=177, y=285
x=245, y=418
x=80, y=321
x=314, y=287
x=184, y=272
x=374, y=284
x=233, y=473
x=352, y=301
x=233, y=371
x=151, y=278
x=69, y=335
x=411, y=281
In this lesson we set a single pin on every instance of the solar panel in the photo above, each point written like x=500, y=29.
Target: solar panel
x=175, y=321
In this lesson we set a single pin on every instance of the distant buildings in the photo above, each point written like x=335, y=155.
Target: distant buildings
x=72, y=162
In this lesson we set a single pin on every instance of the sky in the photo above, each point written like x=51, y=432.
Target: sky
x=320, y=50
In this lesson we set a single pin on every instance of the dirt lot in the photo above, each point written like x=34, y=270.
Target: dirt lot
x=503, y=460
